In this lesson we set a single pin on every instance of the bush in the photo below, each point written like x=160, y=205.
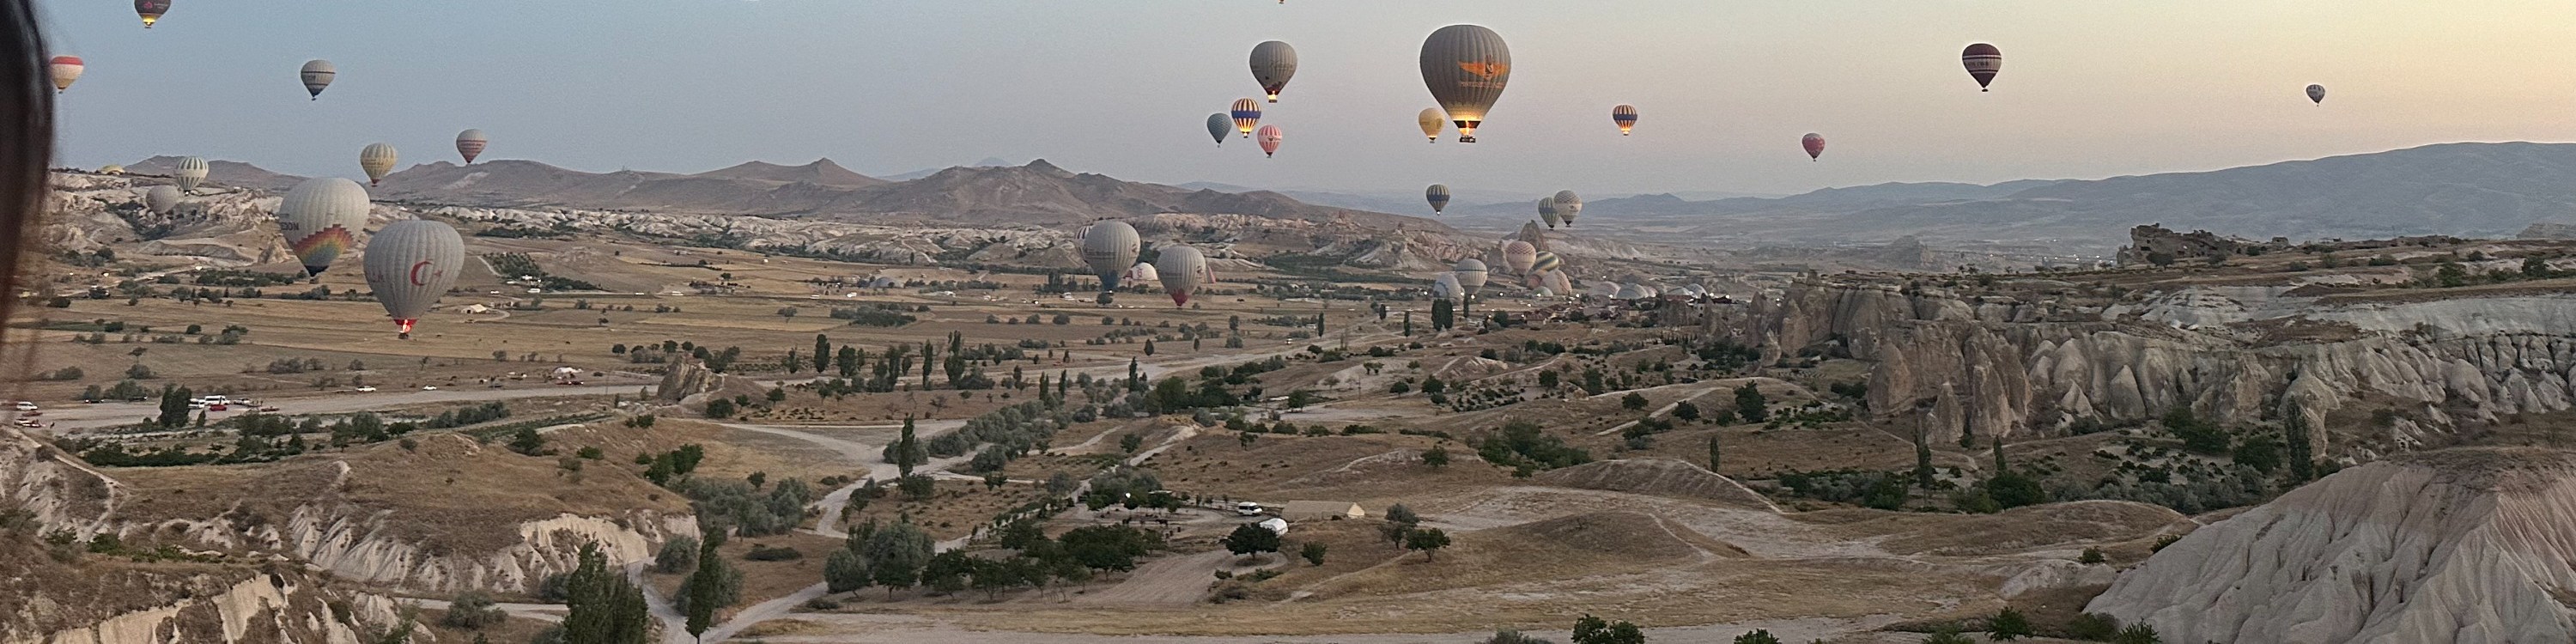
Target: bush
x=1947, y=637
x=2008, y=625
x=1758, y=636
x=678, y=555
x=2092, y=556
x=2137, y=634
x=2093, y=627
x=472, y=610
x=767, y=553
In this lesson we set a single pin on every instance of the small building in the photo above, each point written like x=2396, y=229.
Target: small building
x=1321, y=510
x=1275, y=525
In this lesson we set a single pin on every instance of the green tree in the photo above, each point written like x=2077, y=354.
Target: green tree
x=174, y=406
x=1750, y=405
x=2008, y=625
x=1426, y=540
x=2302, y=455
x=720, y=408
x=1633, y=401
x=1594, y=630
x=1313, y=553
x=1758, y=636
x=844, y=571
x=604, y=607
x=1948, y=637
x=1686, y=411
x=678, y=554
x=1441, y=315
x=1436, y=457
x=1130, y=442
x=713, y=586
x=1249, y=539
x=2139, y=633
x=906, y=452
x=895, y=556
x=1713, y=451
x=472, y=610
x=846, y=362
x=528, y=441
x=1149, y=346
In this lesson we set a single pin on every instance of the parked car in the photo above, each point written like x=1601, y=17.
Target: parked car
x=368, y=389
x=26, y=406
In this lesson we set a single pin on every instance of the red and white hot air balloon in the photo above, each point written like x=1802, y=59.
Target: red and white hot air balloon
x=1815, y=144
x=1270, y=136
x=470, y=144
x=65, y=70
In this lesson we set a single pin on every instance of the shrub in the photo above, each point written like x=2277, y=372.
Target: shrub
x=2092, y=556
x=2093, y=626
x=472, y=610
x=1758, y=636
x=678, y=555
x=768, y=553
x=2008, y=625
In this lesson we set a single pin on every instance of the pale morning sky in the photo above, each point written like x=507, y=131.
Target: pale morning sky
x=1122, y=87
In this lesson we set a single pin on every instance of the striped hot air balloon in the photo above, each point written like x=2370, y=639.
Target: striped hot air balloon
x=1547, y=211
x=151, y=10
x=1273, y=62
x=1546, y=262
x=470, y=144
x=409, y=264
x=1625, y=116
x=1983, y=61
x=1438, y=195
x=192, y=171
x=1247, y=114
x=1270, y=138
x=317, y=75
x=65, y=69
x=321, y=218
x=1815, y=145
x=378, y=160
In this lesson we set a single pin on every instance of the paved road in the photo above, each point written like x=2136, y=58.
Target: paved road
x=68, y=418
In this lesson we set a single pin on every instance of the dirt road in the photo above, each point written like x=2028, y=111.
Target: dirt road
x=1170, y=581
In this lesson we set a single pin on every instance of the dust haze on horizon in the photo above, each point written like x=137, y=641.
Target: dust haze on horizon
x=1121, y=87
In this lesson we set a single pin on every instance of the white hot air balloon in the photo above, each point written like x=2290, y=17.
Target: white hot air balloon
x=192, y=171
x=378, y=160
x=1142, y=272
x=317, y=74
x=161, y=199
x=409, y=264
x=1109, y=247
x=1567, y=206
x=1472, y=274
x=321, y=218
x=471, y=143
x=1446, y=287
x=1181, y=269
x=1519, y=256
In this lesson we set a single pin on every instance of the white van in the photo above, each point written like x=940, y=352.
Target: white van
x=1248, y=509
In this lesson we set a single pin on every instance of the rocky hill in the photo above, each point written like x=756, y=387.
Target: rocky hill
x=820, y=172
x=2461, y=189
x=2467, y=545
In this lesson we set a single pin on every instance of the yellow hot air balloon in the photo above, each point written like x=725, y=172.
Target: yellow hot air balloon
x=1432, y=119
x=1247, y=115
x=378, y=160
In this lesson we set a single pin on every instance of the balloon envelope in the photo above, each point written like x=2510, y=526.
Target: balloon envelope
x=1273, y=62
x=151, y=10
x=161, y=199
x=1219, y=125
x=1109, y=247
x=317, y=74
x=1983, y=62
x=1181, y=269
x=192, y=171
x=1270, y=137
x=1466, y=67
x=470, y=144
x=2316, y=93
x=1814, y=143
x=1547, y=210
x=1519, y=256
x=321, y=219
x=1625, y=116
x=378, y=160
x=65, y=69
x=409, y=264
x=1567, y=206
x=1438, y=195
x=1472, y=274
x=1432, y=119
x=1246, y=113
x=1546, y=261
x=1446, y=287
x=1143, y=272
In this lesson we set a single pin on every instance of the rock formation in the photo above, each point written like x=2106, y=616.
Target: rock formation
x=2464, y=545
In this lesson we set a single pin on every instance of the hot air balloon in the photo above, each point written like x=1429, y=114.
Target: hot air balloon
x=1432, y=119
x=111, y=169
x=1438, y=195
x=1466, y=66
x=321, y=218
x=1625, y=116
x=1181, y=269
x=1567, y=206
x=317, y=75
x=151, y=10
x=1446, y=287
x=161, y=199
x=1272, y=63
x=192, y=171
x=1270, y=138
x=2316, y=93
x=470, y=144
x=1109, y=247
x=1983, y=61
x=1143, y=272
x=1471, y=274
x=1220, y=125
x=65, y=70
x=1546, y=262
x=1247, y=113
x=1519, y=256
x=1815, y=144
x=378, y=160
x=409, y=264
x=1547, y=210
x=1631, y=292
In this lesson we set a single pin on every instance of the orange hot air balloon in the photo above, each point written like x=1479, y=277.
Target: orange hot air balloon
x=1247, y=113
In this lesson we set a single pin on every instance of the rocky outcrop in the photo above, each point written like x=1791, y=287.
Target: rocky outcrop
x=2467, y=545
x=59, y=490
x=259, y=608
x=1987, y=365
